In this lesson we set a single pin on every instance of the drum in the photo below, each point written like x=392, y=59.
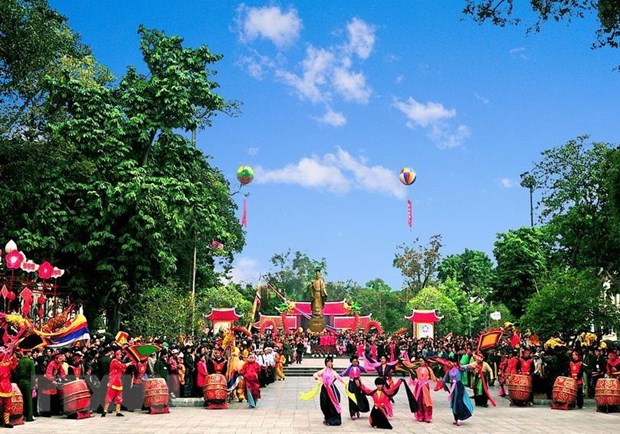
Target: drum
x=75, y=397
x=16, y=412
x=519, y=387
x=607, y=392
x=215, y=391
x=156, y=395
x=564, y=392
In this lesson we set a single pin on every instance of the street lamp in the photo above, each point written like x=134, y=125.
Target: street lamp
x=528, y=181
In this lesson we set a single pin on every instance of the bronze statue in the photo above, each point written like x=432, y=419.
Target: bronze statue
x=318, y=294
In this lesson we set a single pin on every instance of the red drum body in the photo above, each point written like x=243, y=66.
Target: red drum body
x=607, y=394
x=519, y=387
x=215, y=391
x=156, y=395
x=75, y=398
x=564, y=393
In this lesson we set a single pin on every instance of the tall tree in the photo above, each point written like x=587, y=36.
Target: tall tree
x=472, y=269
x=418, y=264
x=572, y=180
x=570, y=302
x=522, y=258
x=35, y=42
x=377, y=298
x=119, y=192
x=293, y=274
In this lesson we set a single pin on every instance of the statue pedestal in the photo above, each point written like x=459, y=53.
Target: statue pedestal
x=316, y=324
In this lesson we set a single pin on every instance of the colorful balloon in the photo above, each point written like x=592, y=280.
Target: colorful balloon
x=407, y=176
x=245, y=175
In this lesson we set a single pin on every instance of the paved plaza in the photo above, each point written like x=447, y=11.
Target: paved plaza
x=281, y=411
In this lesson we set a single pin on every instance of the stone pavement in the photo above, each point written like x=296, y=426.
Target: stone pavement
x=281, y=411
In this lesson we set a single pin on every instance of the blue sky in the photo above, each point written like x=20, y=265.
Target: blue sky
x=339, y=96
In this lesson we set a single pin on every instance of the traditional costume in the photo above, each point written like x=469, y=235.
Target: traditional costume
x=115, y=385
x=460, y=403
x=8, y=362
x=354, y=372
x=422, y=393
x=251, y=373
x=381, y=397
x=576, y=367
x=330, y=397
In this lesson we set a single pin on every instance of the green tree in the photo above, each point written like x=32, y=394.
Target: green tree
x=472, y=269
x=500, y=13
x=570, y=301
x=431, y=297
x=122, y=193
x=575, y=203
x=377, y=297
x=418, y=264
x=35, y=42
x=293, y=274
x=522, y=258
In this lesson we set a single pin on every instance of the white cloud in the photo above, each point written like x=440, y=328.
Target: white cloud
x=434, y=116
x=482, y=99
x=399, y=78
x=245, y=270
x=335, y=119
x=338, y=173
x=256, y=65
x=308, y=172
x=423, y=114
x=351, y=85
x=269, y=22
x=315, y=68
x=253, y=151
x=325, y=74
x=507, y=183
x=361, y=38
x=518, y=52
x=446, y=137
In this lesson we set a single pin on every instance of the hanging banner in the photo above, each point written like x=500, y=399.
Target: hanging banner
x=409, y=214
x=244, y=215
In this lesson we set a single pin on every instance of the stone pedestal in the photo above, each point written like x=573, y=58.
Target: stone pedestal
x=316, y=324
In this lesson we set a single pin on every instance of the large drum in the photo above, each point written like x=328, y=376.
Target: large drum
x=564, y=393
x=607, y=394
x=215, y=391
x=75, y=399
x=156, y=395
x=16, y=412
x=519, y=388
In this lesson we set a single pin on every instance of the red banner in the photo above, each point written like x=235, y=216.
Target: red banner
x=244, y=215
x=409, y=214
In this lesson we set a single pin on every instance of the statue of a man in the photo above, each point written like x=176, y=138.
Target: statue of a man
x=318, y=294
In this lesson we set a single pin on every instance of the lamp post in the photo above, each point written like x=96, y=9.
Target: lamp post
x=528, y=181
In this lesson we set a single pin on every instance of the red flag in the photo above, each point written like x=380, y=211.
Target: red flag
x=244, y=215
x=409, y=214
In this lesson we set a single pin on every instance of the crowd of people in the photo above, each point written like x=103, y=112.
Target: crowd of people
x=256, y=360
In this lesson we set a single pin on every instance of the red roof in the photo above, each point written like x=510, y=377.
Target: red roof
x=331, y=308
x=291, y=321
x=348, y=322
x=223, y=315
x=424, y=316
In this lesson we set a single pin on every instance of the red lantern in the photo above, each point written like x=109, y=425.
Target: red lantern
x=14, y=259
x=45, y=270
x=41, y=300
x=11, y=296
